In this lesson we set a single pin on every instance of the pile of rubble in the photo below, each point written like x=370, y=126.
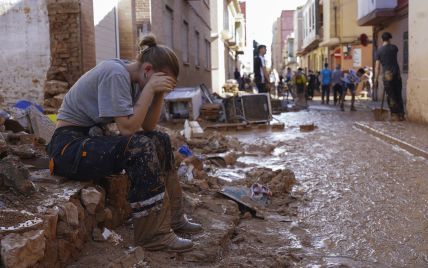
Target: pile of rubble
x=44, y=219
x=47, y=220
x=54, y=94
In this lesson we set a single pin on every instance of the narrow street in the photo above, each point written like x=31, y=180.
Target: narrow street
x=363, y=200
x=358, y=202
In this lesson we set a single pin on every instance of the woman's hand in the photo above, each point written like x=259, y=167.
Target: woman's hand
x=160, y=83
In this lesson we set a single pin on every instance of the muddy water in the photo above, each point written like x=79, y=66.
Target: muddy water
x=363, y=202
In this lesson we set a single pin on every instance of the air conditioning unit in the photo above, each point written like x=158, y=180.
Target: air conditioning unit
x=256, y=108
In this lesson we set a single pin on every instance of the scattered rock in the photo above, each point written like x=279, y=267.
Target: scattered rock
x=24, y=151
x=23, y=250
x=307, y=127
x=91, y=199
x=55, y=87
x=97, y=235
x=54, y=102
x=14, y=174
x=68, y=213
x=4, y=149
x=50, y=223
x=230, y=158
x=283, y=182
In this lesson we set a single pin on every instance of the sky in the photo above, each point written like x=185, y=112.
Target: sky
x=260, y=17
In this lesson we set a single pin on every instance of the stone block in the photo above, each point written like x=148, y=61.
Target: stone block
x=68, y=213
x=55, y=87
x=50, y=220
x=23, y=250
x=14, y=174
x=91, y=199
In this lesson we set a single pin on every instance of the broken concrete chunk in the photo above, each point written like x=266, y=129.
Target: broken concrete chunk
x=14, y=174
x=55, y=87
x=97, y=235
x=24, y=151
x=68, y=212
x=192, y=129
x=42, y=126
x=91, y=198
x=4, y=149
x=23, y=250
x=50, y=223
x=307, y=127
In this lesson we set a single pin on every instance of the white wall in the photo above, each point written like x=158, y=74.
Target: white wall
x=417, y=93
x=24, y=49
x=218, y=76
x=106, y=29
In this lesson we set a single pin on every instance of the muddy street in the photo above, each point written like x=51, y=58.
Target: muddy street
x=358, y=202
x=362, y=201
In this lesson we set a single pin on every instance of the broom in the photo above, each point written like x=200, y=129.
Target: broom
x=381, y=114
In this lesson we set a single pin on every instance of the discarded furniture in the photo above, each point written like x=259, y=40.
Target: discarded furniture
x=183, y=103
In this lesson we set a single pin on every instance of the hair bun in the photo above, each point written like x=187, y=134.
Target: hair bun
x=147, y=41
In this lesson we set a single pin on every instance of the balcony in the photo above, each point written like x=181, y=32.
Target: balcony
x=372, y=12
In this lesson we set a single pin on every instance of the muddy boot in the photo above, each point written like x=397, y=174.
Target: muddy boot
x=179, y=222
x=153, y=232
x=353, y=108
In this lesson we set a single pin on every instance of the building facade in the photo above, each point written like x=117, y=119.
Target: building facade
x=228, y=40
x=391, y=16
x=342, y=35
x=183, y=25
x=417, y=93
x=281, y=30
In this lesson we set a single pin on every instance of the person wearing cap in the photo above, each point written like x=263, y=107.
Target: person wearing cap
x=386, y=56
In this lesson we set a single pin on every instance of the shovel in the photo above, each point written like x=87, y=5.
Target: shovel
x=381, y=114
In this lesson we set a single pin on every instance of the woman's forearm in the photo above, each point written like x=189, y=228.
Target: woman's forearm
x=128, y=125
x=153, y=113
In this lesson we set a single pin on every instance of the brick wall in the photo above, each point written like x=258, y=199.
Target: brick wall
x=197, y=15
x=72, y=42
x=127, y=29
x=87, y=34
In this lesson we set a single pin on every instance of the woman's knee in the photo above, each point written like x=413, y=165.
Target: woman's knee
x=140, y=144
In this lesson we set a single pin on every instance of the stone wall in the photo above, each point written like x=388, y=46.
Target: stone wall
x=72, y=45
x=71, y=214
x=24, y=49
x=197, y=15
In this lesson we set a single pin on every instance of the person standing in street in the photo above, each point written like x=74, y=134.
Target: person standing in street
x=299, y=82
x=337, y=76
x=261, y=76
x=326, y=83
x=312, y=84
x=387, y=57
x=351, y=79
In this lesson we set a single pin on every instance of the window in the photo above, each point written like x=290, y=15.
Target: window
x=405, y=52
x=207, y=54
x=198, y=50
x=185, y=42
x=168, y=27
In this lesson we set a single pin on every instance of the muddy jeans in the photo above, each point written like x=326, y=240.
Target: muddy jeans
x=147, y=158
x=393, y=88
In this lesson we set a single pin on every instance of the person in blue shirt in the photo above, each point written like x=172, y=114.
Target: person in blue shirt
x=325, y=84
x=351, y=80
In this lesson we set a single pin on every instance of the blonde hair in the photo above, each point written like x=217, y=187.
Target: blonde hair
x=159, y=56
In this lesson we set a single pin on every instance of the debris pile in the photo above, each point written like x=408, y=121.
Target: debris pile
x=54, y=94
